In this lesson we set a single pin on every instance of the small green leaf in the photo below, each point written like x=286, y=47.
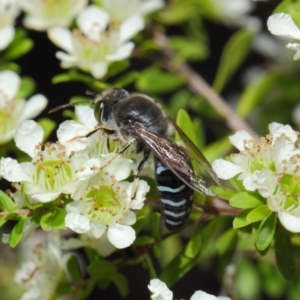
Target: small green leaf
x=117, y=67
x=121, y=282
x=234, y=53
x=266, y=231
x=74, y=269
x=241, y=219
x=185, y=123
x=6, y=203
x=126, y=79
x=18, y=48
x=194, y=245
x=254, y=92
x=154, y=80
x=258, y=213
x=144, y=240
x=227, y=241
x=155, y=219
x=101, y=270
x=150, y=266
x=188, y=49
x=26, y=88
x=284, y=252
x=17, y=233
x=54, y=219
x=2, y=220
x=246, y=200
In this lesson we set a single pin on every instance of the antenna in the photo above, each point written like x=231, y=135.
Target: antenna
x=55, y=109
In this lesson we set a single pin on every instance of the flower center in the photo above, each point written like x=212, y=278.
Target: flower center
x=53, y=173
x=105, y=205
x=290, y=186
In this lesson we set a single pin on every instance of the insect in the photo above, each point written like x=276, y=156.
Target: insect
x=179, y=170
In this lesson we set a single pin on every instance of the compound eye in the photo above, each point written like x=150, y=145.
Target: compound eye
x=98, y=111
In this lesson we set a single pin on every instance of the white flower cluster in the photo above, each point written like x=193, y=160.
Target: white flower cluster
x=271, y=166
x=40, y=273
x=13, y=109
x=160, y=291
x=77, y=169
x=103, y=34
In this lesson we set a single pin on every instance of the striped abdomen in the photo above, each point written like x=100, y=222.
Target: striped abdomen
x=175, y=196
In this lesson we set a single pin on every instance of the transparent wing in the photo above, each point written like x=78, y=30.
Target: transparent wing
x=188, y=160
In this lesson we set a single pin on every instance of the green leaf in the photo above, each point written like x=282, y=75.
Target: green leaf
x=121, y=282
x=227, y=241
x=155, y=219
x=254, y=92
x=266, y=231
x=258, y=213
x=150, y=266
x=144, y=240
x=185, y=123
x=6, y=203
x=26, y=199
x=48, y=126
x=126, y=79
x=241, y=219
x=246, y=200
x=177, y=12
x=224, y=193
x=74, y=269
x=26, y=88
x=17, y=233
x=2, y=220
x=194, y=245
x=234, y=53
x=18, y=47
x=101, y=270
x=117, y=67
x=284, y=252
x=154, y=80
x=188, y=49
x=54, y=219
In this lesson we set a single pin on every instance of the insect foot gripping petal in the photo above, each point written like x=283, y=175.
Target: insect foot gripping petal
x=175, y=196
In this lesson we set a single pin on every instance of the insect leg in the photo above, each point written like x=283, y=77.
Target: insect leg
x=138, y=170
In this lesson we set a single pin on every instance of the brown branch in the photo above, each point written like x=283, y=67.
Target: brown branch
x=199, y=86
x=17, y=212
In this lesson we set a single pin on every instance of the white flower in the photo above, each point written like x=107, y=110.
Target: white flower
x=9, y=10
x=271, y=166
x=93, y=47
x=161, y=292
x=40, y=274
x=104, y=203
x=42, y=15
x=283, y=25
x=13, y=110
x=54, y=169
x=131, y=8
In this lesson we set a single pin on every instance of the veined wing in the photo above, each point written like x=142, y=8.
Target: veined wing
x=180, y=160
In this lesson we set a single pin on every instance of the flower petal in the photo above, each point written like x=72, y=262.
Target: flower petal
x=11, y=170
x=77, y=222
x=160, y=290
x=239, y=138
x=61, y=37
x=92, y=21
x=129, y=218
x=33, y=106
x=28, y=135
x=99, y=69
x=120, y=168
x=9, y=84
x=283, y=25
x=69, y=130
x=225, y=169
x=290, y=222
x=130, y=27
x=45, y=197
x=200, y=295
x=97, y=229
x=85, y=115
x=121, y=236
x=6, y=36
x=122, y=52
x=296, y=47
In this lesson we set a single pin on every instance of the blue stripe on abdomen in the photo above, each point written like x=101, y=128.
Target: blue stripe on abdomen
x=175, y=196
